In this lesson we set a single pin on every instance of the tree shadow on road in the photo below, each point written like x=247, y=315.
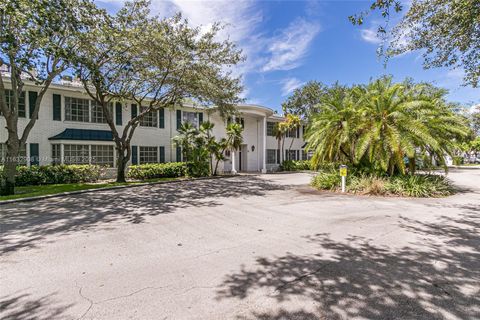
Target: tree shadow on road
x=355, y=278
x=23, y=307
x=23, y=225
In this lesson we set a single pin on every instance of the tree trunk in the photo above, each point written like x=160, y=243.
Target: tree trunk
x=411, y=165
x=121, y=166
x=7, y=185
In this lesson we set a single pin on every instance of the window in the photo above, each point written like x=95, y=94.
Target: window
x=240, y=121
x=98, y=115
x=76, y=154
x=76, y=109
x=271, y=129
x=271, y=156
x=148, y=155
x=56, y=154
x=3, y=152
x=191, y=117
x=150, y=119
x=291, y=155
x=21, y=102
x=292, y=133
x=22, y=154
x=102, y=155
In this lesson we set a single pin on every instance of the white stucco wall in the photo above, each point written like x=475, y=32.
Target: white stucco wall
x=45, y=127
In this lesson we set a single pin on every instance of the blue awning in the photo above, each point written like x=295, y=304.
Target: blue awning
x=84, y=134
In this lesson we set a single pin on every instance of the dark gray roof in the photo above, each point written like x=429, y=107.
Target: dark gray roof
x=84, y=134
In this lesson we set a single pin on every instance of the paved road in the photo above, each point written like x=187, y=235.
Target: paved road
x=250, y=247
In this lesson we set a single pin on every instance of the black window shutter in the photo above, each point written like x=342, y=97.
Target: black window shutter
x=162, y=154
x=134, y=155
x=21, y=105
x=134, y=110
x=200, y=118
x=298, y=155
x=298, y=132
x=161, y=118
x=32, y=99
x=179, y=154
x=57, y=107
x=118, y=114
x=278, y=156
x=34, y=154
x=179, y=119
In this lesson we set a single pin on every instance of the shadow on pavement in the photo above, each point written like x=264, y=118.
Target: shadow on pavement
x=437, y=279
x=23, y=225
x=22, y=307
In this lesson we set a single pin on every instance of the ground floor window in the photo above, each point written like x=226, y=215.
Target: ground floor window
x=271, y=156
x=102, y=155
x=307, y=155
x=291, y=154
x=56, y=154
x=22, y=154
x=76, y=154
x=148, y=155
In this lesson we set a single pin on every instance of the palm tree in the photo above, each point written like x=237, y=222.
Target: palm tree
x=187, y=133
x=331, y=134
x=374, y=127
x=280, y=131
x=293, y=122
x=233, y=141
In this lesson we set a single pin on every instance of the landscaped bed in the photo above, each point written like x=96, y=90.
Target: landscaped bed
x=51, y=189
x=422, y=185
x=38, y=181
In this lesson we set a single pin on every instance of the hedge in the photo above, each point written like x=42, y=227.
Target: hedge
x=157, y=170
x=296, y=165
x=56, y=174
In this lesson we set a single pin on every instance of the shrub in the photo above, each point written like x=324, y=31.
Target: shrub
x=457, y=160
x=58, y=174
x=367, y=184
x=421, y=185
x=326, y=180
x=158, y=170
x=291, y=165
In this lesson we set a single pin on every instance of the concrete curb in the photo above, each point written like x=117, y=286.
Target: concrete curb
x=465, y=167
x=29, y=199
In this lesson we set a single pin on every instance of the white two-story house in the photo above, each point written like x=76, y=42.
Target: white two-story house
x=71, y=129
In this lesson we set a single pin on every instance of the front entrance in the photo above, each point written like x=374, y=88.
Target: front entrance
x=242, y=155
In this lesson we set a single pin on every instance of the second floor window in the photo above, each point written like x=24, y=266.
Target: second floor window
x=271, y=129
x=150, y=119
x=76, y=109
x=21, y=102
x=190, y=117
x=98, y=116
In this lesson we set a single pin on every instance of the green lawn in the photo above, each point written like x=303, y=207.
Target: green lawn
x=34, y=191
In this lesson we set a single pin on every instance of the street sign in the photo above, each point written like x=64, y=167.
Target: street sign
x=343, y=174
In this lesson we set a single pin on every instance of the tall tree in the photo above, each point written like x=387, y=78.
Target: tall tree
x=304, y=100
x=37, y=41
x=155, y=63
x=375, y=126
x=448, y=32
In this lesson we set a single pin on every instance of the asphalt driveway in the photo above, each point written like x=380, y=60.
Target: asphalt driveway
x=248, y=247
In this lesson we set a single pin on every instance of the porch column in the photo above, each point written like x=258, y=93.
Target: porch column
x=232, y=154
x=264, y=162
